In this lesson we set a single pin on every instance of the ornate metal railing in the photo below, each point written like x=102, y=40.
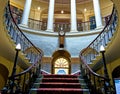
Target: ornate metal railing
x=21, y=82
x=42, y=25
x=96, y=82
x=103, y=38
x=27, y=47
x=37, y=24
x=81, y=26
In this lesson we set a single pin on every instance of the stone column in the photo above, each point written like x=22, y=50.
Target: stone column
x=97, y=12
x=26, y=13
x=50, y=15
x=73, y=16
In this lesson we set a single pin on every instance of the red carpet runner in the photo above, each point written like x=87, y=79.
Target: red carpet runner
x=58, y=84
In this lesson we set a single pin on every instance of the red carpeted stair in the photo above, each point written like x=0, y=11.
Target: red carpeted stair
x=58, y=84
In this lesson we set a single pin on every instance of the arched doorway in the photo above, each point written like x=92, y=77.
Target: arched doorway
x=116, y=72
x=61, y=63
x=116, y=79
x=3, y=75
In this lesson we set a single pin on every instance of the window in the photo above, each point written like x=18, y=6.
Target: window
x=61, y=66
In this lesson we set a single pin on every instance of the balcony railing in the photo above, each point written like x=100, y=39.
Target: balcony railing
x=81, y=26
x=66, y=26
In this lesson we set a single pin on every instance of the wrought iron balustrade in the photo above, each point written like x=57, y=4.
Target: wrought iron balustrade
x=23, y=81
x=96, y=82
x=66, y=26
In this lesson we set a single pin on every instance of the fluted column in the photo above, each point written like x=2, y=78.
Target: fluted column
x=26, y=13
x=97, y=12
x=50, y=15
x=73, y=16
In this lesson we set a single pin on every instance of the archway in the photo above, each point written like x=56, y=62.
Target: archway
x=3, y=75
x=116, y=72
x=61, y=63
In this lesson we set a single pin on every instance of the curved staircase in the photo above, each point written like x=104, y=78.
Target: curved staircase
x=59, y=84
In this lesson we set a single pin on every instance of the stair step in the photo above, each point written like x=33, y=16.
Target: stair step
x=57, y=91
x=57, y=85
x=68, y=80
x=60, y=76
x=81, y=80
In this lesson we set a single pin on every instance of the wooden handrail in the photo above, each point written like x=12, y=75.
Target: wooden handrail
x=28, y=69
x=34, y=56
x=20, y=29
x=91, y=71
x=82, y=53
x=40, y=52
x=99, y=34
x=100, y=39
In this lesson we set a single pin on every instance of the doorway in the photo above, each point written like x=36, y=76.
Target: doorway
x=61, y=62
